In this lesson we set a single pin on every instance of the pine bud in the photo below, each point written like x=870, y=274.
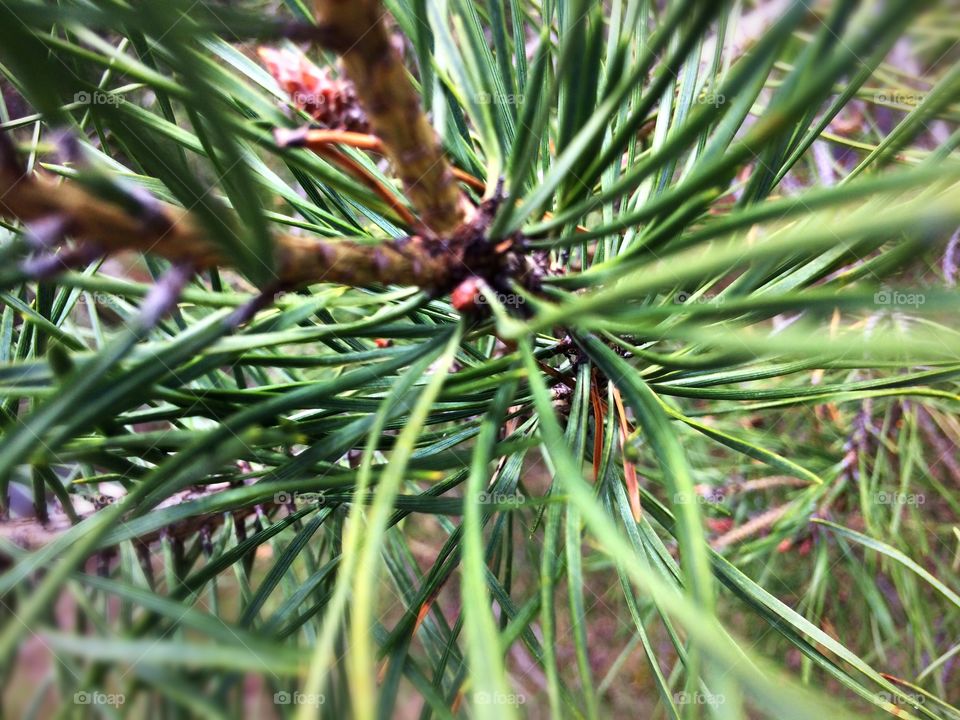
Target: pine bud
x=331, y=102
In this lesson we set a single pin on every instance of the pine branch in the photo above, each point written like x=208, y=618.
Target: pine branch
x=356, y=29
x=34, y=533
x=177, y=235
x=450, y=248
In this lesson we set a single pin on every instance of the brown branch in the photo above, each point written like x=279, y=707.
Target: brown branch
x=317, y=138
x=32, y=534
x=450, y=248
x=173, y=233
x=751, y=528
x=357, y=31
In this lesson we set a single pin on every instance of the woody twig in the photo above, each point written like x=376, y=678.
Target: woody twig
x=357, y=31
x=450, y=244
x=31, y=533
x=175, y=234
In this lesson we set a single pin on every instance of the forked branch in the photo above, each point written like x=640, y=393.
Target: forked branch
x=449, y=248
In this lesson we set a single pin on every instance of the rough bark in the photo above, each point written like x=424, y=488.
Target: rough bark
x=356, y=29
x=173, y=233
